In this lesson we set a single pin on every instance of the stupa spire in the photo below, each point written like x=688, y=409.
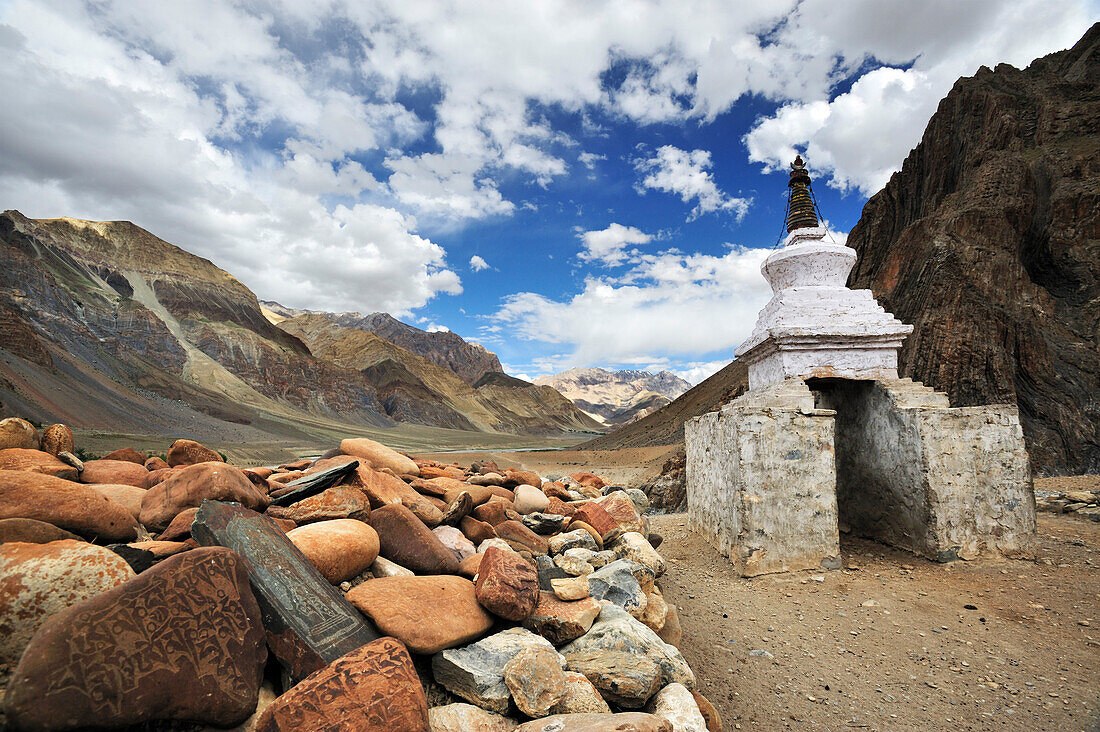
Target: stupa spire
x=801, y=213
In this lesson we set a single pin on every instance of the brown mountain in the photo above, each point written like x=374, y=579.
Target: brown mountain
x=418, y=390
x=988, y=242
x=618, y=397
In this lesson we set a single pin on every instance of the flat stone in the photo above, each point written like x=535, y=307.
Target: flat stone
x=341, y=501
x=507, y=584
x=428, y=614
x=475, y=530
x=595, y=516
x=570, y=588
x=371, y=689
x=18, y=433
x=56, y=439
x=189, y=487
x=479, y=494
x=407, y=541
x=635, y=547
x=182, y=641
x=600, y=559
x=42, y=579
x=124, y=495
x=65, y=504
x=31, y=531
x=544, y=524
x=559, y=621
x=308, y=622
x=619, y=655
x=548, y=574
x=456, y=541
x=536, y=679
x=559, y=507
x=339, y=549
x=520, y=537
x=617, y=583
x=189, y=452
x=570, y=540
x=378, y=456
x=466, y=718
x=35, y=461
x=581, y=697
x=573, y=565
x=313, y=482
x=495, y=512
x=676, y=704
x=476, y=672
x=622, y=722
x=619, y=506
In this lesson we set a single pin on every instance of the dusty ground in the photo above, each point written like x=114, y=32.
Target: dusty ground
x=894, y=642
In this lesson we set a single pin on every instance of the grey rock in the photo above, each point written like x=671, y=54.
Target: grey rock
x=476, y=672
x=617, y=583
x=572, y=539
x=544, y=523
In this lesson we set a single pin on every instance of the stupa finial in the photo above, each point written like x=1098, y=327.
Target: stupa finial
x=801, y=213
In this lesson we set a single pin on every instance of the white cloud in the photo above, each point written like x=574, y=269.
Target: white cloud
x=589, y=159
x=478, y=264
x=608, y=246
x=668, y=304
x=687, y=174
x=694, y=372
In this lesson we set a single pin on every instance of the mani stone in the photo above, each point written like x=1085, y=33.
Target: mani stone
x=371, y=689
x=625, y=660
x=428, y=614
x=42, y=579
x=35, y=461
x=521, y=538
x=476, y=672
x=507, y=584
x=182, y=641
x=406, y=540
x=309, y=623
x=72, y=506
x=622, y=722
x=190, y=486
x=560, y=622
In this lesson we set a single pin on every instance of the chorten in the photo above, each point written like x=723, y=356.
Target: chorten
x=814, y=326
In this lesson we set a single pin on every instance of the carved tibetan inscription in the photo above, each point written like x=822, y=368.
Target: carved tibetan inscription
x=309, y=623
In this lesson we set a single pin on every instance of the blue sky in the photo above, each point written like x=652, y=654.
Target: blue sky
x=568, y=183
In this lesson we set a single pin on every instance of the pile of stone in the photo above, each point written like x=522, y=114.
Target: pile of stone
x=364, y=590
x=1085, y=504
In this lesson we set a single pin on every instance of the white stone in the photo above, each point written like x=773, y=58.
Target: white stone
x=675, y=704
x=530, y=499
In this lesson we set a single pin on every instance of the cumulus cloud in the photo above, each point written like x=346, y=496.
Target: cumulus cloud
x=608, y=246
x=687, y=174
x=667, y=304
x=589, y=159
x=478, y=264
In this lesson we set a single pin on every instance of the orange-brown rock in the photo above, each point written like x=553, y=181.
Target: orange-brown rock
x=710, y=714
x=476, y=531
x=18, y=433
x=557, y=490
x=337, y=502
x=372, y=689
x=520, y=538
x=376, y=455
x=595, y=516
x=478, y=493
x=495, y=512
x=117, y=472
x=560, y=507
x=507, y=584
x=57, y=438
x=35, y=461
x=619, y=506
x=129, y=454
x=431, y=471
x=189, y=452
x=340, y=549
x=32, y=531
x=504, y=493
x=261, y=472
x=287, y=477
x=559, y=621
x=156, y=463
x=180, y=527
x=302, y=464
x=189, y=487
x=406, y=540
x=428, y=487
x=469, y=566
x=163, y=549
x=522, y=477
x=427, y=614
x=589, y=480
x=158, y=476
x=124, y=495
x=68, y=505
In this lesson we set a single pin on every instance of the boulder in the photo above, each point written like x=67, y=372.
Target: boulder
x=635, y=547
x=619, y=506
x=595, y=516
x=378, y=456
x=427, y=614
x=56, y=439
x=475, y=530
x=114, y=472
x=128, y=454
x=206, y=669
x=625, y=660
x=622, y=722
x=189, y=452
x=676, y=704
x=72, y=506
x=617, y=582
x=372, y=689
x=456, y=541
x=560, y=622
x=578, y=538
x=339, y=549
x=581, y=697
x=530, y=499
x=521, y=477
x=519, y=537
x=42, y=579
x=559, y=507
x=124, y=495
x=31, y=531
x=340, y=501
x=192, y=485
x=29, y=460
x=156, y=463
x=476, y=672
x=406, y=540
x=507, y=584
x=466, y=718
x=536, y=679
x=495, y=512
x=18, y=433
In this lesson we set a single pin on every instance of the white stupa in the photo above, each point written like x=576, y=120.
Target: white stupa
x=814, y=326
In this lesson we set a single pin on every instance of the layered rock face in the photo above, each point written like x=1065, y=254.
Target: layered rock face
x=618, y=397
x=988, y=242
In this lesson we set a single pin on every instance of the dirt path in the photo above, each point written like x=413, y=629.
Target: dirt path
x=893, y=642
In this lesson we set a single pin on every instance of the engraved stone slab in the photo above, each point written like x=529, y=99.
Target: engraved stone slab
x=309, y=624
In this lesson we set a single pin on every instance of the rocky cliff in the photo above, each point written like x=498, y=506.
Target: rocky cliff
x=988, y=242
x=618, y=397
